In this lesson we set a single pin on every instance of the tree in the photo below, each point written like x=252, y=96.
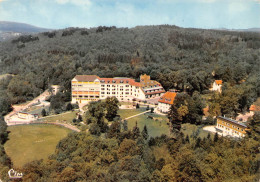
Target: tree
x=137, y=106
x=112, y=106
x=216, y=137
x=3, y=131
x=69, y=107
x=198, y=141
x=57, y=103
x=152, y=109
x=145, y=133
x=125, y=125
x=74, y=120
x=174, y=118
x=147, y=108
x=187, y=139
x=114, y=130
x=80, y=118
x=44, y=112
x=136, y=131
x=5, y=104
x=95, y=129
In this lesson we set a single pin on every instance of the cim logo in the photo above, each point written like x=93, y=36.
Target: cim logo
x=14, y=175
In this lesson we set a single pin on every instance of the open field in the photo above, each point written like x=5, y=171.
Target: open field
x=156, y=126
x=65, y=117
x=125, y=113
x=33, y=142
x=190, y=129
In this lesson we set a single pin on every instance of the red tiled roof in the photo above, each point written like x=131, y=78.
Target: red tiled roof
x=254, y=108
x=219, y=82
x=168, y=98
x=86, y=78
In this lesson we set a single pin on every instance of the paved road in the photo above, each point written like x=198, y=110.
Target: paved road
x=18, y=108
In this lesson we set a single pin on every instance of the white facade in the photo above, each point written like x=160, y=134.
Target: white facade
x=229, y=131
x=124, y=89
x=163, y=107
x=121, y=91
x=216, y=87
x=230, y=127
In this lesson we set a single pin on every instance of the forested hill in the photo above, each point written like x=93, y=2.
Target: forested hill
x=10, y=30
x=187, y=59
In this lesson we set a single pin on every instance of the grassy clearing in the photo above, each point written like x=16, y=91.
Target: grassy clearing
x=156, y=126
x=125, y=113
x=191, y=129
x=64, y=117
x=33, y=142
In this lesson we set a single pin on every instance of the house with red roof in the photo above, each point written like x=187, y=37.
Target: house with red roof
x=253, y=109
x=217, y=85
x=165, y=102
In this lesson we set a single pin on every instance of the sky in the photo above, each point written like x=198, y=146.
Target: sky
x=57, y=14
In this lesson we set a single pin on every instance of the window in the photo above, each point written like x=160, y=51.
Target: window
x=121, y=81
x=102, y=85
x=113, y=93
x=108, y=92
x=127, y=86
x=102, y=92
x=108, y=85
x=113, y=81
x=102, y=88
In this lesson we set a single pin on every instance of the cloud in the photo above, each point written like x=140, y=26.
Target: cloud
x=75, y=2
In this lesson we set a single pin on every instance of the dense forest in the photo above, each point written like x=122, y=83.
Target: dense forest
x=188, y=60
x=131, y=155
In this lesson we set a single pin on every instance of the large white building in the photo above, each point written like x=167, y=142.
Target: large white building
x=87, y=88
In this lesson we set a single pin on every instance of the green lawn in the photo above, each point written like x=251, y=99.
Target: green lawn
x=124, y=113
x=33, y=142
x=156, y=126
x=190, y=129
x=64, y=117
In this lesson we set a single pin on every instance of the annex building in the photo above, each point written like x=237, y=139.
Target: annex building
x=165, y=101
x=217, y=85
x=230, y=127
x=87, y=88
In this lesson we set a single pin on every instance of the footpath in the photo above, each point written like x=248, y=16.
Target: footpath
x=137, y=115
